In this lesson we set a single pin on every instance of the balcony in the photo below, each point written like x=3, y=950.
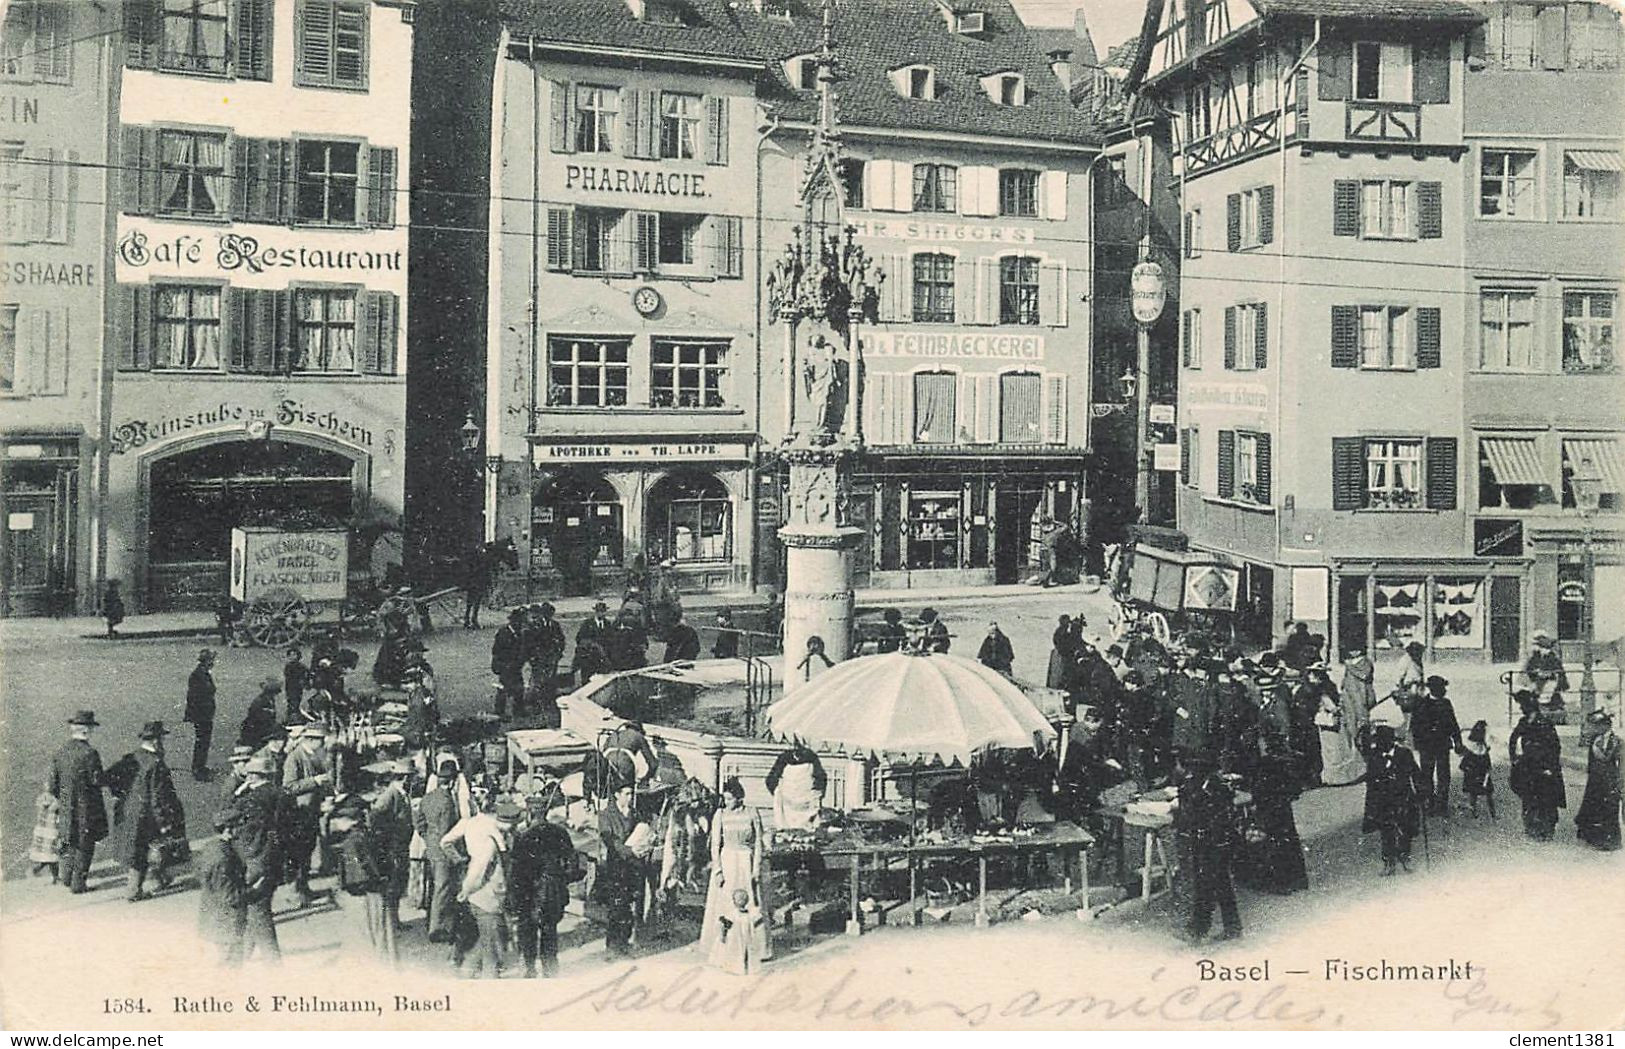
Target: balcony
x=1371, y=121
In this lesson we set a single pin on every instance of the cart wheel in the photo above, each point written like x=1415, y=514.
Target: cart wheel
x=276, y=618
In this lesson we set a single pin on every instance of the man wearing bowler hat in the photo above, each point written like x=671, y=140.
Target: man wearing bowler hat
x=1437, y=735
x=76, y=783
x=147, y=812
x=200, y=711
x=592, y=643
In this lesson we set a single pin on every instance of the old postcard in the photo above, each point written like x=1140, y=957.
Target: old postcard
x=811, y=514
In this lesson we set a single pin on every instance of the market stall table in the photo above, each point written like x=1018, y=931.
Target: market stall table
x=1066, y=839
x=552, y=749
x=1157, y=863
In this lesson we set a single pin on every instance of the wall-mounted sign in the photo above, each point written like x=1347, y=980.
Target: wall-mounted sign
x=916, y=229
x=631, y=454
x=1165, y=457
x=962, y=345
x=595, y=178
x=1497, y=537
x=145, y=248
x=1148, y=291
x=1226, y=395
x=256, y=422
x=1161, y=414
x=20, y=522
x=61, y=274
x=19, y=109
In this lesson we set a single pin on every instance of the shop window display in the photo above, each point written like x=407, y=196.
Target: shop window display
x=933, y=530
x=1397, y=612
x=690, y=519
x=1458, y=613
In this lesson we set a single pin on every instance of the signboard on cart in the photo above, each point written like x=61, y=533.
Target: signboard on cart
x=313, y=565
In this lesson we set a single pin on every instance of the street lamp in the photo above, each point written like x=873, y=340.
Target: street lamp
x=1129, y=383
x=470, y=434
x=1586, y=481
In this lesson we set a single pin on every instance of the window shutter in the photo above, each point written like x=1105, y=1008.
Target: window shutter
x=1232, y=205
x=716, y=130
x=1261, y=467
x=1336, y=70
x=1428, y=353
x=378, y=334
x=562, y=132
x=142, y=33
x=135, y=319
x=55, y=379
x=1052, y=294
x=279, y=166
x=558, y=239
x=1052, y=195
x=350, y=68
x=985, y=309
x=1345, y=337
x=1266, y=214
x=381, y=164
x=251, y=330
x=985, y=430
x=1551, y=36
x=621, y=237
x=970, y=191
x=902, y=186
x=1429, y=210
x=1348, y=473
x=967, y=404
x=254, y=29
x=1227, y=464
x=900, y=277
x=139, y=158
x=1185, y=339
x=25, y=355
x=1261, y=335
x=239, y=333
x=64, y=191
x=47, y=211
x=1441, y=466
x=1346, y=208
x=967, y=293
x=1430, y=64
x=646, y=231
x=635, y=114
x=1055, y=409
x=242, y=173
x=313, y=57
x=275, y=319
x=872, y=386
x=1185, y=451
x=878, y=186
x=1229, y=337
x=730, y=245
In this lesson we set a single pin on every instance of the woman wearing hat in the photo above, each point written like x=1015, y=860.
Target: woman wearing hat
x=1597, y=821
x=1537, y=768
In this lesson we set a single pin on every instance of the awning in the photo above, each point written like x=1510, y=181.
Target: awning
x=1514, y=460
x=1607, y=458
x=1595, y=160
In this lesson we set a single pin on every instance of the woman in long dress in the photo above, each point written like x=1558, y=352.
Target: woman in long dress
x=1273, y=860
x=1597, y=821
x=1358, y=691
x=1537, y=768
x=1341, y=763
x=734, y=937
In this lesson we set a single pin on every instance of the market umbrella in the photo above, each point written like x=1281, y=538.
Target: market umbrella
x=914, y=707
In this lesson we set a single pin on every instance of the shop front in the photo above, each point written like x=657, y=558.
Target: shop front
x=1577, y=588
x=182, y=479
x=1467, y=610
x=39, y=505
x=597, y=506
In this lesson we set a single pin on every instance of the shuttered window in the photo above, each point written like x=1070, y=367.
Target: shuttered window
x=33, y=350
x=1246, y=336
x=1190, y=339
x=263, y=168
x=37, y=191
x=716, y=130
x=331, y=43
x=381, y=188
x=1250, y=218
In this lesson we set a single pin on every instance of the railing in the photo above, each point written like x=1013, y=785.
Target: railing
x=1383, y=121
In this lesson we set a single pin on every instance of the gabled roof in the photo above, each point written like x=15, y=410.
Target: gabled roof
x=1051, y=39
x=1375, y=10
x=710, y=27
x=873, y=37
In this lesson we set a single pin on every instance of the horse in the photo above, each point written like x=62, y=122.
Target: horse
x=481, y=564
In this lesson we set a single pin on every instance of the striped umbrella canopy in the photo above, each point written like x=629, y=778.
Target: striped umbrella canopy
x=906, y=707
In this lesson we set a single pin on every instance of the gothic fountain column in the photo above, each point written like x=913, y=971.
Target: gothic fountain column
x=819, y=547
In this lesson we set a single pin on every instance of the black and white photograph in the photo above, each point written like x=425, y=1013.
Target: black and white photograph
x=812, y=515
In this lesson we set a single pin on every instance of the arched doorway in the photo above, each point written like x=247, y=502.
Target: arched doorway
x=689, y=519
x=197, y=495
x=577, y=526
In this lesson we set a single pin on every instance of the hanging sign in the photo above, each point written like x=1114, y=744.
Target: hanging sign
x=1149, y=292
x=1165, y=457
x=1161, y=414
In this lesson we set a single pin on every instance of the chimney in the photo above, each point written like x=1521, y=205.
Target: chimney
x=1060, y=63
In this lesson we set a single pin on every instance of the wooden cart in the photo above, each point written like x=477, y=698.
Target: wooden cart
x=283, y=581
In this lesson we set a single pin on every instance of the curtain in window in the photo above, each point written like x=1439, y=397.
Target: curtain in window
x=210, y=182
x=1020, y=408
x=206, y=330
x=1371, y=208
x=169, y=343
x=1371, y=346
x=341, y=328
x=310, y=326
x=934, y=407
x=179, y=157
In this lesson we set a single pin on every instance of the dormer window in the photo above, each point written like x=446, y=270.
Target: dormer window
x=1006, y=88
x=775, y=9
x=661, y=12
x=970, y=23
x=802, y=72
x=915, y=82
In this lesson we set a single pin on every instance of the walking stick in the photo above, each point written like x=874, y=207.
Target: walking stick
x=1427, y=851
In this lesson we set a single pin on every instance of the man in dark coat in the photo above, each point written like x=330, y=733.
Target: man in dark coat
x=436, y=814
x=682, y=641
x=508, y=663
x=258, y=844
x=200, y=711
x=389, y=830
x=592, y=643
x=1207, y=818
x=76, y=783
x=934, y=632
x=891, y=634
x=146, y=809
x=726, y=645
x=223, y=895
x=1437, y=735
x=620, y=874
x=542, y=862
x=295, y=675
x=544, y=649
x=1536, y=756
x=260, y=723
x=306, y=779
x=1394, y=791
x=996, y=652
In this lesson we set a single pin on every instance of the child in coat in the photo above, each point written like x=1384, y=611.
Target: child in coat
x=1475, y=768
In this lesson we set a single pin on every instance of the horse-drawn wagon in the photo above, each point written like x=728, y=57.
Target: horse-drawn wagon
x=283, y=580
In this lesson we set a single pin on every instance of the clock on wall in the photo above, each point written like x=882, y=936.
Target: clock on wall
x=646, y=300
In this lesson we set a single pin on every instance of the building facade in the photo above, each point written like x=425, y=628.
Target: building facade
x=1542, y=277
x=257, y=329
x=1323, y=354
x=54, y=65
x=966, y=180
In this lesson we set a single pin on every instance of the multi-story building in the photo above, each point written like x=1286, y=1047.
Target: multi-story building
x=1324, y=344
x=54, y=96
x=1543, y=217
x=261, y=257
x=966, y=181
